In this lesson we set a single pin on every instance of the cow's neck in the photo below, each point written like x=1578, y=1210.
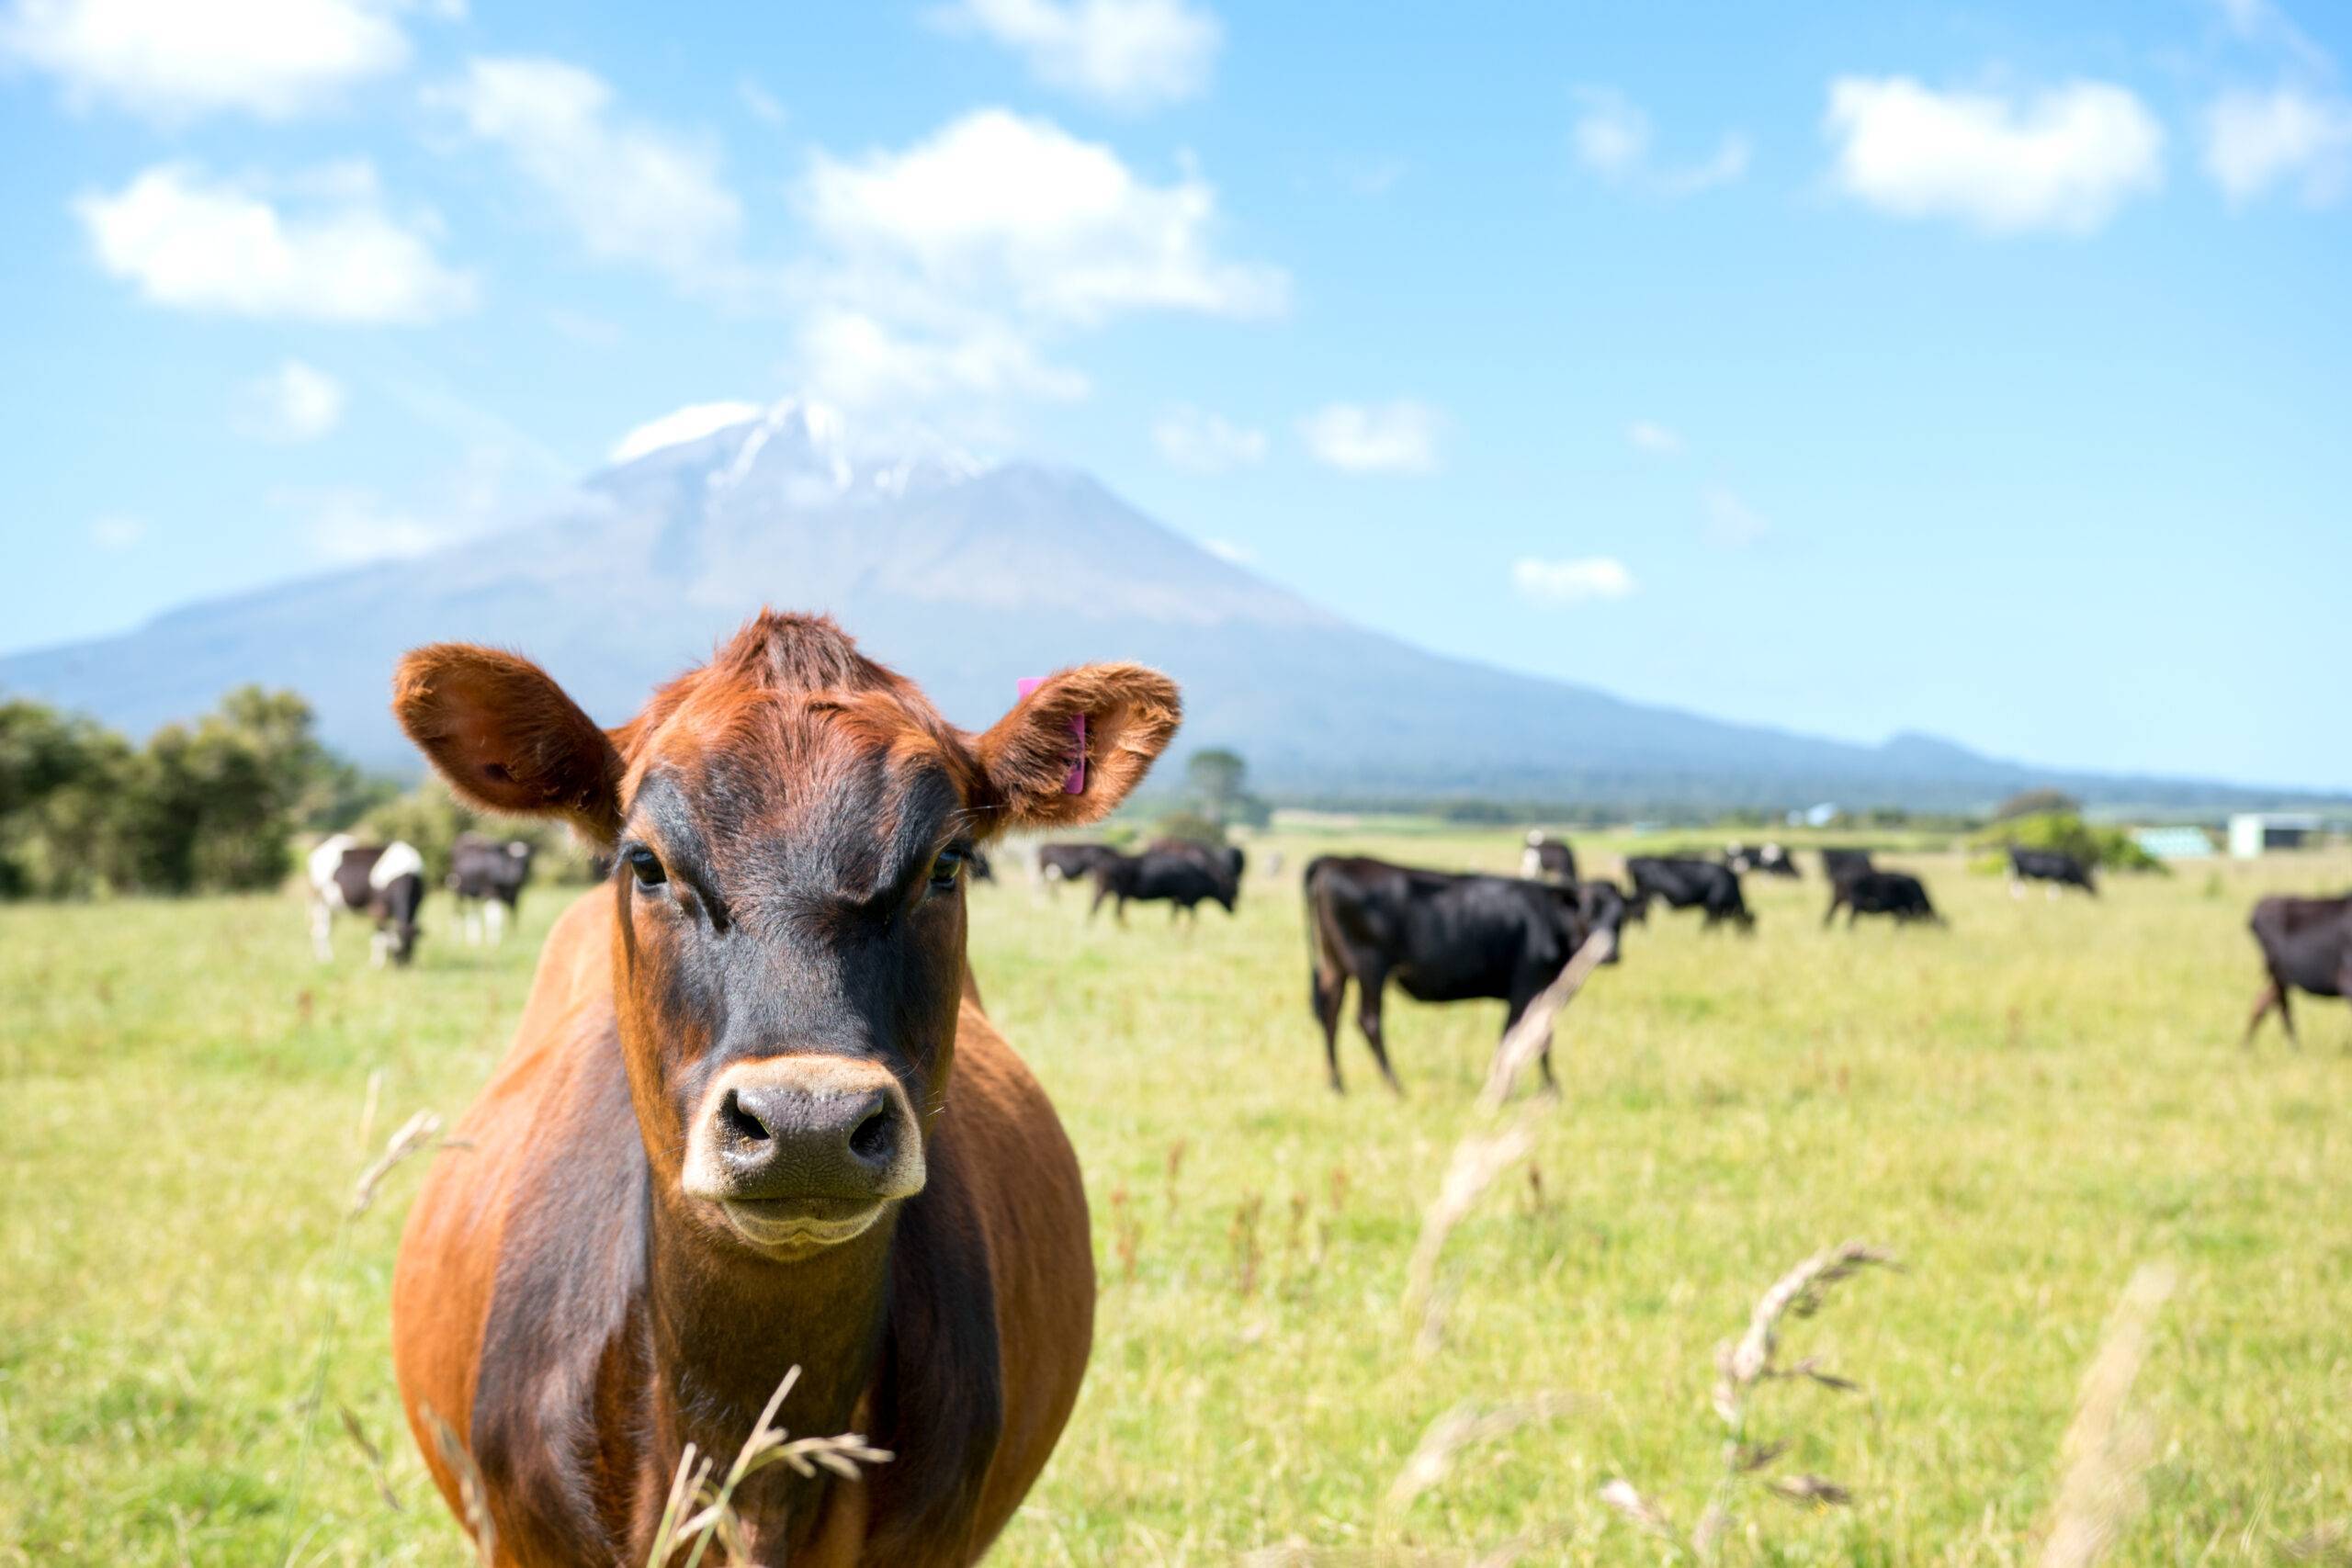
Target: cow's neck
x=725, y=1332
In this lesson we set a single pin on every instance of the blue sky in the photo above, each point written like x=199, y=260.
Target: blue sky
x=1974, y=369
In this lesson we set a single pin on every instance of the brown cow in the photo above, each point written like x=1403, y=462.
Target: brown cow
x=754, y=1116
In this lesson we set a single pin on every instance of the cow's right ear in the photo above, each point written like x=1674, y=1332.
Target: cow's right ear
x=507, y=739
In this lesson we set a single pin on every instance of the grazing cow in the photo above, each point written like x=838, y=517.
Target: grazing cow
x=1896, y=893
x=1605, y=908
x=2055, y=867
x=1771, y=860
x=1058, y=864
x=1691, y=885
x=1442, y=936
x=1546, y=859
x=1227, y=859
x=1180, y=879
x=1838, y=866
x=383, y=881
x=754, y=1117
x=486, y=880
x=2306, y=946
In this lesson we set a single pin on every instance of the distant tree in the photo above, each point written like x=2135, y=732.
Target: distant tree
x=1191, y=826
x=1217, y=782
x=2038, y=803
x=63, y=789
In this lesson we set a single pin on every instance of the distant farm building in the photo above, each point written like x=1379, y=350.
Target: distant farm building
x=2175, y=843
x=2256, y=833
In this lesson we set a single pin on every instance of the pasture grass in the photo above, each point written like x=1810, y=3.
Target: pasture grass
x=2022, y=1108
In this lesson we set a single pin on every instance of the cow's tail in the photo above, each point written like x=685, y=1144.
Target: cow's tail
x=1323, y=967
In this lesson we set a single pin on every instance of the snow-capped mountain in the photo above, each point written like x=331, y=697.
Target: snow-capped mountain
x=968, y=575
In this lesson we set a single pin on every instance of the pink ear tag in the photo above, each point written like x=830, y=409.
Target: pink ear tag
x=1076, y=783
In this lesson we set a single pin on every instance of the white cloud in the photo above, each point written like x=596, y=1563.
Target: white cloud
x=1571, y=581
x=994, y=202
x=1130, y=54
x=1203, y=443
x=294, y=402
x=189, y=241
x=2063, y=159
x=759, y=102
x=2255, y=142
x=173, y=60
x=631, y=192
x=1731, y=522
x=1650, y=436
x=348, y=526
x=1611, y=138
x=1399, y=437
x=861, y=361
x=680, y=425
x=117, y=534
x=1229, y=551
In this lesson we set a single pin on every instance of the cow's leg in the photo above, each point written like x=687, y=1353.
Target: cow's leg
x=1369, y=986
x=1831, y=913
x=1511, y=1020
x=380, y=948
x=2017, y=888
x=2272, y=995
x=495, y=913
x=1101, y=891
x=322, y=930
x=1328, y=993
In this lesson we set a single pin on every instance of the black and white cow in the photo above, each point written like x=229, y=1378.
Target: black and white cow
x=1442, y=936
x=1771, y=860
x=385, y=882
x=1691, y=885
x=2054, y=867
x=1896, y=893
x=487, y=877
x=1547, y=859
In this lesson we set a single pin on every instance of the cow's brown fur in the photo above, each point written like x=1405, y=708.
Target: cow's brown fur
x=564, y=1306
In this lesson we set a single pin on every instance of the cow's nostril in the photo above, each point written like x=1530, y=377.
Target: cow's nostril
x=740, y=1125
x=871, y=1139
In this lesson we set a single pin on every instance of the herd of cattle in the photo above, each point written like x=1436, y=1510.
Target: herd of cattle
x=756, y=1123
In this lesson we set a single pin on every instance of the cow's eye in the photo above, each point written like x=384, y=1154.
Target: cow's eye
x=646, y=866
x=945, y=869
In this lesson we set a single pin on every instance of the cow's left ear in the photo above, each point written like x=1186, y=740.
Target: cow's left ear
x=1130, y=713
x=508, y=739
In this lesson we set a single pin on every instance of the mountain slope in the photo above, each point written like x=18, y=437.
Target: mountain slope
x=968, y=577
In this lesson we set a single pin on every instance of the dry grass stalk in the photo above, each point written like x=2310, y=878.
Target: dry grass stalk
x=374, y=1455
x=1621, y=1494
x=1127, y=1233
x=1478, y=1159
x=1243, y=1238
x=713, y=1517
x=2107, y=1447
x=1799, y=1294
x=1529, y=1036
x=1175, y=1168
x=1459, y=1428
x=419, y=1132
x=472, y=1498
x=2330, y=1543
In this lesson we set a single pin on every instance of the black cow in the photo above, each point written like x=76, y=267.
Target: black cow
x=487, y=879
x=1058, y=864
x=1839, y=865
x=1770, y=858
x=385, y=881
x=1691, y=885
x=1442, y=936
x=2306, y=946
x=1606, y=909
x=1182, y=881
x=1227, y=860
x=2055, y=867
x=1547, y=859
x=1896, y=893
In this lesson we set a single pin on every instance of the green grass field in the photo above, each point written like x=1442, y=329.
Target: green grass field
x=2023, y=1108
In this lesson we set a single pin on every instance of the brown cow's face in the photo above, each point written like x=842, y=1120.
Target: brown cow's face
x=790, y=829
x=790, y=877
